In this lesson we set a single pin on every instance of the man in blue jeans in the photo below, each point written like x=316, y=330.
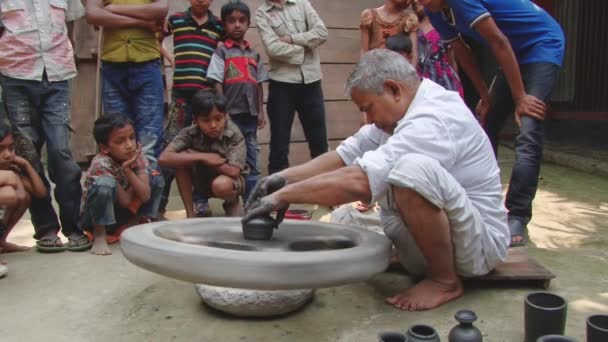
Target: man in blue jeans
x=132, y=82
x=529, y=47
x=36, y=64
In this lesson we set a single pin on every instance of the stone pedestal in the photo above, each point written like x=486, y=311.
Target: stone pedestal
x=253, y=303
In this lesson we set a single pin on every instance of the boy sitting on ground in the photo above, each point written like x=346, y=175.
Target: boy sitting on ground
x=18, y=185
x=209, y=156
x=118, y=185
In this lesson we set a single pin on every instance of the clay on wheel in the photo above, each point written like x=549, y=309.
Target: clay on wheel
x=301, y=254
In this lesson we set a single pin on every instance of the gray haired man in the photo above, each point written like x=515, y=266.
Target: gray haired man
x=427, y=161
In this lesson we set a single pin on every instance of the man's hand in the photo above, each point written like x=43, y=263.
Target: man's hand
x=261, y=120
x=482, y=109
x=264, y=187
x=530, y=106
x=286, y=39
x=127, y=164
x=265, y=206
x=153, y=25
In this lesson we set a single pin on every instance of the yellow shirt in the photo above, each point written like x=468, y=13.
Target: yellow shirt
x=129, y=44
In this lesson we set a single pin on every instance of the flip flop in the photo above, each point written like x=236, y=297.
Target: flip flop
x=79, y=244
x=55, y=248
x=517, y=228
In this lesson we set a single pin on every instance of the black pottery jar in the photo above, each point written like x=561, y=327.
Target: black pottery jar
x=465, y=331
x=422, y=333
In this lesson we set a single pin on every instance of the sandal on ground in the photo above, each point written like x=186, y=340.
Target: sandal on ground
x=50, y=244
x=363, y=207
x=201, y=209
x=79, y=244
x=517, y=229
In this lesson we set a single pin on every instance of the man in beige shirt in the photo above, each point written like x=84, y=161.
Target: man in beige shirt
x=291, y=31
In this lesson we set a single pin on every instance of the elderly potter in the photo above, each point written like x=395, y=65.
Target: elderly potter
x=427, y=161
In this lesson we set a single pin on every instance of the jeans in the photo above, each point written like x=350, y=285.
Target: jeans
x=539, y=79
x=136, y=90
x=283, y=100
x=40, y=113
x=102, y=208
x=248, y=125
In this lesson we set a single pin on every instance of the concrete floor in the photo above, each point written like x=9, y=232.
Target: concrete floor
x=80, y=297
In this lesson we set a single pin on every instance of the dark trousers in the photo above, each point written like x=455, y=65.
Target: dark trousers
x=40, y=113
x=284, y=99
x=539, y=79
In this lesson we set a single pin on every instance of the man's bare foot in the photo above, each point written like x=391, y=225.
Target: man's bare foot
x=9, y=247
x=427, y=294
x=100, y=247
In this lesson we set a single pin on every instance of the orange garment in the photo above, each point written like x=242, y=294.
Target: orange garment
x=379, y=29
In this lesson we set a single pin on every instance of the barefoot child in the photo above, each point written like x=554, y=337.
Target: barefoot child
x=243, y=89
x=209, y=156
x=19, y=182
x=118, y=185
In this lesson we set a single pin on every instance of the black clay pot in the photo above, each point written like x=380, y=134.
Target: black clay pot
x=597, y=328
x=422, y=333
x=259, y=228
x=465, y=331
x=391, y=336
x=555, y=338
x=544, y=314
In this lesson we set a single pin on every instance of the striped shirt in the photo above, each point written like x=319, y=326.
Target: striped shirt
x=193, y=46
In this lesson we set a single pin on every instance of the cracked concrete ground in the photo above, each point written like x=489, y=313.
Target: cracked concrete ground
x=80, y=297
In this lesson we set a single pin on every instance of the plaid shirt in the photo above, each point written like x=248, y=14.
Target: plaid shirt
x=35, y=38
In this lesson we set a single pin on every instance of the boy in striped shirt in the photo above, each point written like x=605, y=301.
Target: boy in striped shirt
x=196, y=33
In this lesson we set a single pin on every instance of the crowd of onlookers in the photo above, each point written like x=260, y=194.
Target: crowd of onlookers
x=209, y=145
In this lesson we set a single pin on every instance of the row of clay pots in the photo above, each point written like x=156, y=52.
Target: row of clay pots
x=597, y=329
x=545, y=320
x=463, y=332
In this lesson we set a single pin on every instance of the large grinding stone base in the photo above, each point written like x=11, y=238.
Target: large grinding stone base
x=301, y=254
x=253, y=303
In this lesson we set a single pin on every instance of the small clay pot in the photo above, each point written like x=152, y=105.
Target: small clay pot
x=391, y=336
x=465, y=331
x=422, y=333
x=259, y=228
x=555, y=338
x=597, y=328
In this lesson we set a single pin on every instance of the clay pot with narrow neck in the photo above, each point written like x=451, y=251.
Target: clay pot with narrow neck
x=465, y=331
x=422, y=333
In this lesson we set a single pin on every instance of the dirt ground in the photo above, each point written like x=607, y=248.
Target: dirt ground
x=80, y=297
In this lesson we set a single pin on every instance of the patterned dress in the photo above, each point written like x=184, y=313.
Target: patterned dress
x=433, y=61
x=379, y=29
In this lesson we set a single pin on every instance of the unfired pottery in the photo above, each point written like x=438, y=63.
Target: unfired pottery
x=422, y=333
x=465, y=331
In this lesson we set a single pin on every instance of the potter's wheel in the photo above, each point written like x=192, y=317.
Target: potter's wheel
x=301, y=254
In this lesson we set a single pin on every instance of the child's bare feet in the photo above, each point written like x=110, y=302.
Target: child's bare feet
x=426, y=295
x=100, y=246
x=8, y=247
